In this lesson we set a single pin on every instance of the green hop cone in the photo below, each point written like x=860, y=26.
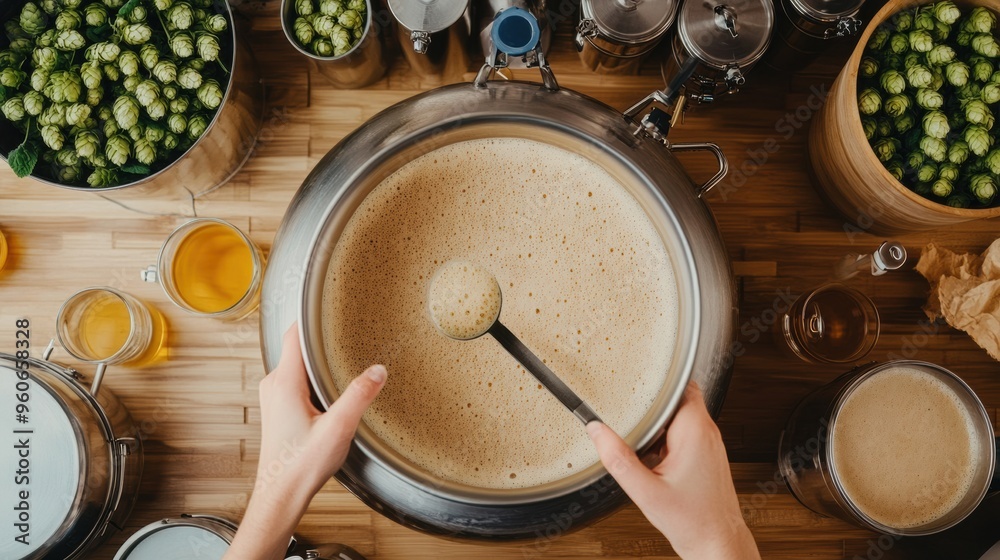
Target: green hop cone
x=147, y=92
x=929, y=99
x=940, y=31
x=357, y=5
x=155, y=133
x=189, y=78
x=12, y=77
x=102, y=177
x=919, y=76
x=958, y=152
x=197, y=125
x=942, y=188
x=895, y=168
x=145, y=151
x=163, y=5
x=180, y=16
x=137, y=34
x=978, y=112
x=112, y=72
x=54, y=114
x=94, y=96
x=179, y=105
x=322, y=47
x=87, y=143
x=182, y=45
x=351, y=19
x=304, y=32
x=915, y=159
x=986, y=45
x=936, y=125
x=46, y=39
x=103, y=52
x=64, y=87
x=992, y=161
x=958, y=73
x=68, y=19
x=170, y=141
x=110, y=128
x=22, y=46
x=869, y=102
x=918, y=40
x=927, y=172
x=304, y=7
x=877, y=42
x=77, y=113
x=126, y=110
x=341, y=39
x=118, y=149
x=923, y=20
x=34, y=103
x=949, y=172
x=934, y=148
x=95, y=15
x=131, y=83
x=177, y=123
x=170, y=92
x=868, y=68
x=983, y=187
x=947, y=12
x=128, y=63
x=892, y=81
x=884, y=127
x=208, y=46
x=210, y=94
x=979, y=139
x=982, y=69
x=197, y=63
x=33, y=20
x=870, y=127
x=165, y=71
x=149, y=55
x=958, y=201
x=137, y=15
x=940, y=55
x=896, y=105
x=90, y=73
x=13, y=109
x=905, y=122
x=45, y=57
x=331, y=8
x=216, y=23
x=980, y=20
x=136, y=132
x=990, y=94
x=323, y=25
x=157, y=109
x=903, y=21
x=67, y=157
x=886, y=148
x=67, y=175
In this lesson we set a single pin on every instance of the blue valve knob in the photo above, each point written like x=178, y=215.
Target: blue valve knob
x=515, y=32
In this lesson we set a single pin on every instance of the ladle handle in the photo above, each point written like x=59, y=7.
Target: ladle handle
x=550, y=380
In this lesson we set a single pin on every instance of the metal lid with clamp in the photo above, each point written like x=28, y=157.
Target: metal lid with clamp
x=726, y=34
x=825, y=18
x=631, y=22
x=426, y=17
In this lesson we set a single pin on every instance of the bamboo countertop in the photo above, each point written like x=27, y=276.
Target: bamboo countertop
x=199, y=410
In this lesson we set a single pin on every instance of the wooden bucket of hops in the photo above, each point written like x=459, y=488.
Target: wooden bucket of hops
x=846, y=171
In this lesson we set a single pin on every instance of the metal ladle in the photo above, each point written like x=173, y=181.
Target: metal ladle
x=450, y=286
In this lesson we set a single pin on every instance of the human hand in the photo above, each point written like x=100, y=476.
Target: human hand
x=689, y=496
x=301, y=448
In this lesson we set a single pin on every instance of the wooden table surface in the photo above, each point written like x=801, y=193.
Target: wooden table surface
x=199, y=410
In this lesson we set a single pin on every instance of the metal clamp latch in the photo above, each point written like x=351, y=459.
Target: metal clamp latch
x=516, y=33
x=846, y=27
x=421, y=41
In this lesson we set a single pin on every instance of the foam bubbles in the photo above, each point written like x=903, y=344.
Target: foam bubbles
x=587, y=285
x=464, y=300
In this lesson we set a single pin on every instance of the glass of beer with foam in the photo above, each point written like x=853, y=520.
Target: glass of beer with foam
x=209, y=267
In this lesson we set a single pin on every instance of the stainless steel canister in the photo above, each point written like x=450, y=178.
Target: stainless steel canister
x=208, y=537
x=718, y=42
x=72, y=462
x=483, y=12
x=805, y=456
x=614, y=36
x=805, y=28
x=363, y=65
x=431, y=30
x=226, y=144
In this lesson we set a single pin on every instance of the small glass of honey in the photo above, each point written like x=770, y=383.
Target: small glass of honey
x=209, y=267
x=832, y=324
x=107, y=327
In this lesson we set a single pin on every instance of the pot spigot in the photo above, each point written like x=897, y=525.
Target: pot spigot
x=515, y=33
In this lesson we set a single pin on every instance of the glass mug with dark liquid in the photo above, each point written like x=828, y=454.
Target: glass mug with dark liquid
x=209, y=267
x=832, y=324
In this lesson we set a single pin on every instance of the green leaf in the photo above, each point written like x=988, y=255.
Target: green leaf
x=99, y=34
x=136, y=169
x=23, y=159
x=3, y=93
x=128, y=7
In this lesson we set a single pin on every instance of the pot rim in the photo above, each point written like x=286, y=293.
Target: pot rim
x=651, y=426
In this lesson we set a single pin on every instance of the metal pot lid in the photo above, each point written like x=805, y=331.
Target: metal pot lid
x=428, y=15
x=721, y=33
x=40, y=458
x=825, y=11
x=631, y=21
x=179, y=539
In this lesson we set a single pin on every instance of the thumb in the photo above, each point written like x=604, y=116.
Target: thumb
x=621, y=462
x=347, y=410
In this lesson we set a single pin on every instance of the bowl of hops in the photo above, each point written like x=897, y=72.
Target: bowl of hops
x=908, y=139
x=110, y=94
x=338, y=37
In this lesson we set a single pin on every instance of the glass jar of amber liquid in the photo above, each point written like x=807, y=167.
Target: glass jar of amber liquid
x=209, y=267
x=3, y=250
x=832, y=324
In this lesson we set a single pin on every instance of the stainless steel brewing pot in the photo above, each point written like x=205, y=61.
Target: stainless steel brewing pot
x=72, y=459
x=645, y=166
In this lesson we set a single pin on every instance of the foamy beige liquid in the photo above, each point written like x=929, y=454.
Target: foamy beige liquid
x=587, y=284
x=904, y=448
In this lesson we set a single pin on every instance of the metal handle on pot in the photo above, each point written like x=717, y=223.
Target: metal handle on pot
x=719, y=155
x=102, y=367
x=516, y=33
